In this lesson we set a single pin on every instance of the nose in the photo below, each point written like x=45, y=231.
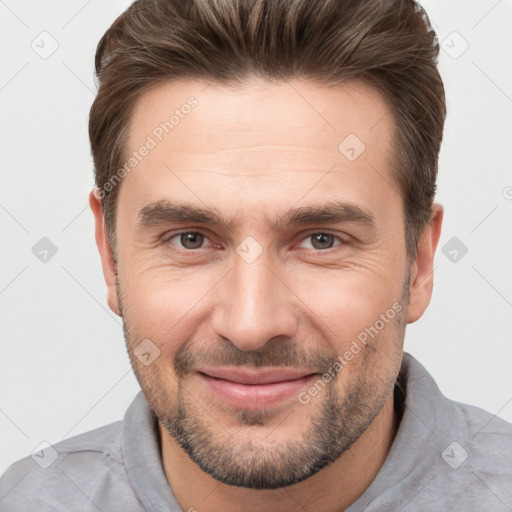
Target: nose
x=254, y=305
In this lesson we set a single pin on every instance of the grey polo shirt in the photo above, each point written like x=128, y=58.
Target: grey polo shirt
x=445, y=456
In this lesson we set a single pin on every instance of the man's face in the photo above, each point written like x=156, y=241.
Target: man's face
x=247, y=317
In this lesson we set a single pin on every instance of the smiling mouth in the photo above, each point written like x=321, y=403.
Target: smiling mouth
x=255, y=389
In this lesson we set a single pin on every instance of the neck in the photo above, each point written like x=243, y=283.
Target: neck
x=332, y=489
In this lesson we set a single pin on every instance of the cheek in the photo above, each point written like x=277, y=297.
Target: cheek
x=163, y=306
x=359, y=316
x=349, y=300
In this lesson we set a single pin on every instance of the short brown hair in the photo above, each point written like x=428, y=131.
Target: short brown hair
x=387, y=43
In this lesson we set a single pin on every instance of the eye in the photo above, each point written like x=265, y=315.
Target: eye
x=323, y=240
x=189, y=240
x=193, y=240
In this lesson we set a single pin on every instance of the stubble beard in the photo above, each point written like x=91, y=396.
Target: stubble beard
x=338, y=421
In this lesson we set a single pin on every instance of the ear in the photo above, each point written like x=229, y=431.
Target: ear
x=422, y=269
x=107, y=260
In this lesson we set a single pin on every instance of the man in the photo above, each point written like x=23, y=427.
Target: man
x=265, y=177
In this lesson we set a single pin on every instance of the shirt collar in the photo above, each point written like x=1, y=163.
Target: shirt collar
x=408, y=465
x=420, y=419
x=140, y=444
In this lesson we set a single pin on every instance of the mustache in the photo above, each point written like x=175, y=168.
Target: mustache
x=192, y=355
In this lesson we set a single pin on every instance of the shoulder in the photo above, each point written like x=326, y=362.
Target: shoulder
x=467, y=450
x=488, y=440
x=485, y=437
x=476, y=469
x=70, y=474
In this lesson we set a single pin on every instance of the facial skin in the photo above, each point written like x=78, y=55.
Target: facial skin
x=284, y=299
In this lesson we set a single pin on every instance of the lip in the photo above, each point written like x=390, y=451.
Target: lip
x=254, y=388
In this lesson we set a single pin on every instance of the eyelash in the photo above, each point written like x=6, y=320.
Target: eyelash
x=167, y=240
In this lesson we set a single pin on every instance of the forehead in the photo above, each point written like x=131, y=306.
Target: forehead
x=260, y=141
x=268, y=112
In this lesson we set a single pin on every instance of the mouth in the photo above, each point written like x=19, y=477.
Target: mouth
x=255, y=388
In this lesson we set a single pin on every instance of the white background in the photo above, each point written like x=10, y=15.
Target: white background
x=63, y=364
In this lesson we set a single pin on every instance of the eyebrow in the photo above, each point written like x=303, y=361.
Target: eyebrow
x=332, y=212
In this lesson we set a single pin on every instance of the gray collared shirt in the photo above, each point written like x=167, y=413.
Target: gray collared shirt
x=445, y=456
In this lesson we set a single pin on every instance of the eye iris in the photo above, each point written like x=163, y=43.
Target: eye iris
x=191, y=239
x=195, y=240
x=321, y=238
